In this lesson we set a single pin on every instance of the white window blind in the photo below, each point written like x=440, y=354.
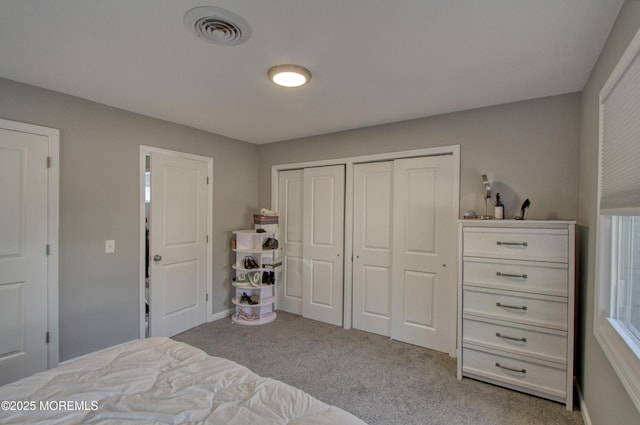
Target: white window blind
x=620, y=143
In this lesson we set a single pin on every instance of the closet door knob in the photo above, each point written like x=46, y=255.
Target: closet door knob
x=157, y=258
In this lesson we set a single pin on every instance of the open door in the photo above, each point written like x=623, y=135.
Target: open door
x=178, y=243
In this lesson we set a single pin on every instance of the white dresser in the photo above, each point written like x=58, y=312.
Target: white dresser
x=516, y=305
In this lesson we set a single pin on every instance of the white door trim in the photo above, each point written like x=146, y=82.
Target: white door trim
x=145, y=150
x=349, y=162
x=53, y=205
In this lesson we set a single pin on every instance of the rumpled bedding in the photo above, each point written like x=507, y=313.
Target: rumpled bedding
x=161, y=381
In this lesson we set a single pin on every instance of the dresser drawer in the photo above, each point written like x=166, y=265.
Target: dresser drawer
x=532, y=309
x=546, y=345
x=522, y=276
x=538, y=378
x=517, y=244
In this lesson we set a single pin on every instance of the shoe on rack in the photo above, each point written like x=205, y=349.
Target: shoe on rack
x=270, y=243
x=244, y=298
x=250, y=263
x=251, y=300
x=254, y=278
x=242, y=278
x=268, y=278
x=241, y=314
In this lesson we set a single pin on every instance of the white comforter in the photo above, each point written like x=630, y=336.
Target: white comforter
x=160, y=381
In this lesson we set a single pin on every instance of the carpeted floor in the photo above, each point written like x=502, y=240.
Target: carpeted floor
x=381, y=381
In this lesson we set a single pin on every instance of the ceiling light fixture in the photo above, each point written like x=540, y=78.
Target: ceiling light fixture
x=289, y=75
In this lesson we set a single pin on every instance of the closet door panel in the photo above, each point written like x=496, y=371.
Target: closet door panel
x=423, y=251
x=292, y=285
x=372, y=239
x=321, y=293
x=323, y=250
x=418, y=287
x=291, y=226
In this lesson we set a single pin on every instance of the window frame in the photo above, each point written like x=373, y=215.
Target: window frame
x=617, y=342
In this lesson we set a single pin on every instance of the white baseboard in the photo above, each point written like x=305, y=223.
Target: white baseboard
x=221, y=315
x=583, y=406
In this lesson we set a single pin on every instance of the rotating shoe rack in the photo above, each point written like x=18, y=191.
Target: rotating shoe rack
x=255, y=277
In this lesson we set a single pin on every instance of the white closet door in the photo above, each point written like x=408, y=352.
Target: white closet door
x=323, y=244
x=423, y=254
x=291, y=207
x=372, y=243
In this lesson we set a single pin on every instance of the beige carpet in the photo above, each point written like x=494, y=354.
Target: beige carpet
x=381, y=381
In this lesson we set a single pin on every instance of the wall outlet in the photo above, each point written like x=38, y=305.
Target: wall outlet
x=110, y=246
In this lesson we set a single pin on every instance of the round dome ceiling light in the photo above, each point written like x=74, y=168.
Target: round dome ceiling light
x=289, y=75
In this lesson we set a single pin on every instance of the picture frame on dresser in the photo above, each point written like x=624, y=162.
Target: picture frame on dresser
x=516, y=305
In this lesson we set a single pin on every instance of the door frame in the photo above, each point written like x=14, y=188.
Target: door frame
x=147, y=150
x=53, y=220
x=349, y=162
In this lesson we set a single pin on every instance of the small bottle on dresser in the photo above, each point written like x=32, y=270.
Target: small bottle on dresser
x=499, y=208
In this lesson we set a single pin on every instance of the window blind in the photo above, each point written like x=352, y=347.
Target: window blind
x=620, y=138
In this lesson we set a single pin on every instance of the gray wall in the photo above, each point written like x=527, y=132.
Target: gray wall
x=606, y=399
x=99, y=200
x=527, y=149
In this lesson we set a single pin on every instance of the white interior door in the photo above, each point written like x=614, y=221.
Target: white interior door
x=178, y=251
x=291, y=207
x=323, y=244
x=423, y=254
x=372, y=244
x=23, y=260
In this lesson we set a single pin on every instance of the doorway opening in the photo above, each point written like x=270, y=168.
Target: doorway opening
x=147, y=258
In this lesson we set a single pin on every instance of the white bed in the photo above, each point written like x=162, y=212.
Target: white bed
x=160, y=381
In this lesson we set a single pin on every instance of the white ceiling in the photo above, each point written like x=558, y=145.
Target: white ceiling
x=373, y=61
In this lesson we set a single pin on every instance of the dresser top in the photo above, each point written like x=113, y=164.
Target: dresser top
x=474, y=222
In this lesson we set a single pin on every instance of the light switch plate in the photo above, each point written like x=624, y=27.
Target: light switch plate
x=110, y=246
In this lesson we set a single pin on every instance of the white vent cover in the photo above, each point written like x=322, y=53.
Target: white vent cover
x=217, y=25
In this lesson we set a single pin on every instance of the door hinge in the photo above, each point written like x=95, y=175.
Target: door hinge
x=207, y=238
x=47, y=249
x=207, y=179
x=207, y=297
x=47, y=337
x=48, y=162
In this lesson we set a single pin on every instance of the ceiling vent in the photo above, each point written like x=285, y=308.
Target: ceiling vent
x=217, y=25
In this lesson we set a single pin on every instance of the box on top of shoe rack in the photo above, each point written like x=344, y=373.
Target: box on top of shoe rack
x=265, y=219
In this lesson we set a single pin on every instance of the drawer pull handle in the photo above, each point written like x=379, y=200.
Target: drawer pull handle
x=512, y=243
x=523, y=276
x=499, y=335
x=524, y=307
x=510, y=368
